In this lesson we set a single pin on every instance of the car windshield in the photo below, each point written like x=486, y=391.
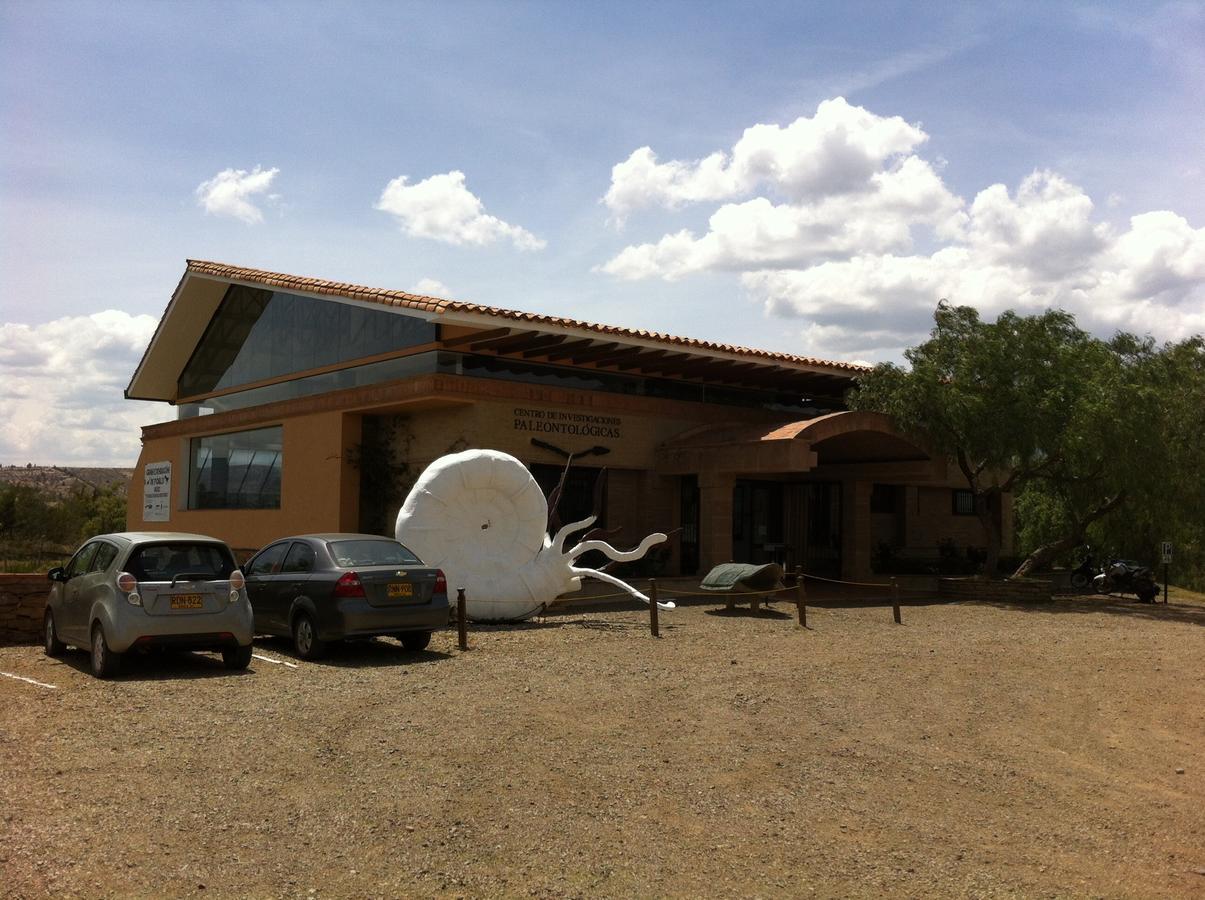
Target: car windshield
x=372, y=553
x=166, y=562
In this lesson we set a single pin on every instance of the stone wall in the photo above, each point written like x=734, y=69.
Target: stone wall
x=22, y=600
x=1028, y=590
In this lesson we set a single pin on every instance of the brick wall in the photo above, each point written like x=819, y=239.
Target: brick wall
x=930, y=519
x=1031, y=590
x=22, y=600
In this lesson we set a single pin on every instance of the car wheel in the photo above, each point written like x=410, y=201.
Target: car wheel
x=415, y=640
x=237, y=657
x=54, y=647
x=105, y=663
x=305, y=637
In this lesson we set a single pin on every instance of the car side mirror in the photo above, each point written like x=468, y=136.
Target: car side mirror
x=56, y=574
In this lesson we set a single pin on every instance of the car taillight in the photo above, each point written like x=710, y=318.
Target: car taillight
x=349, y=585
x=441, y=582
x=128, y=585
x=237, y=583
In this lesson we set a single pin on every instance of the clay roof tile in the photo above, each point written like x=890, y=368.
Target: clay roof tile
x=442, y=306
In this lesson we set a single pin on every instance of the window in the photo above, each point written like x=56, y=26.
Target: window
x=235, y=471
x=104, y=558
x=166, y=562
x=268, y=561
x=300, y=559
x=963, y=503
x=885, y=498
x=258, y=334
x=82, y=561
x=371, y=553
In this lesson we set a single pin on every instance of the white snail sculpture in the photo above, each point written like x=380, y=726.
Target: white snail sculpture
x=480, y=516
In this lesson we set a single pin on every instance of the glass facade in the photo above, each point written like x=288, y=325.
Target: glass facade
x=240, y=470
x=354, y=376
x=505, y=369
x=258, y=334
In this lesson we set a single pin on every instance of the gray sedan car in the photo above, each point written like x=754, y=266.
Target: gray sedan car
x=319, y=588
x=122, y=592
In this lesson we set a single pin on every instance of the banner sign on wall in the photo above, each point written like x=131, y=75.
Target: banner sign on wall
x=157, y=492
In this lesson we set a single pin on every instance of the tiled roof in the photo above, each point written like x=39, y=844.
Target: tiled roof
x=439, y=306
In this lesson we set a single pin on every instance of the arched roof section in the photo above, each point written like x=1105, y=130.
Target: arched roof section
x=836, y=438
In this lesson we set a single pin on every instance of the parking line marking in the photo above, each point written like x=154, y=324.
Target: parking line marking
x=31, y=681
x=276, y=662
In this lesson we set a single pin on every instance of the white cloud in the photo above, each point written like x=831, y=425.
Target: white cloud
x=842, y=205
x=1046, y=229
x=838, y=150
x=61, y=387
x=443, y=209
x=1149, y=279
x=759, y=234
x=228, y=193
x=429, y=287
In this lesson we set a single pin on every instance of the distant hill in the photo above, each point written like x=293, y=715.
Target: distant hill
x=61, y=481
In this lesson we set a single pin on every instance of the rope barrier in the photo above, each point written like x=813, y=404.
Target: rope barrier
x=721, y=593
x=782, y=590
x=717, y=594
x=874, y=584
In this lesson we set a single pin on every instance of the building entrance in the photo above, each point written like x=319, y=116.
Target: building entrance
x=793, y=523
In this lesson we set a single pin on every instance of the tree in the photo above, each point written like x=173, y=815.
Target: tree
x=1033, y=401
x=105, y=511
x=1163, y=406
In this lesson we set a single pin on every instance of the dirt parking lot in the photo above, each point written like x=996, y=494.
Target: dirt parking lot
x=981, y=750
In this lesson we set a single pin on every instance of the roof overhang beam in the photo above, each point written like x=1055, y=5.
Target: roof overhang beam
x=475, y=337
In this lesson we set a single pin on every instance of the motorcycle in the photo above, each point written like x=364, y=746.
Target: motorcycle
x=1124, y=576
x=1082, y=575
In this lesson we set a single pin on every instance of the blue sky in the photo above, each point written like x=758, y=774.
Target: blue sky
x=872, y=158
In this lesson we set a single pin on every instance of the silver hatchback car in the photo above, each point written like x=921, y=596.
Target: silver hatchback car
x=122, y=592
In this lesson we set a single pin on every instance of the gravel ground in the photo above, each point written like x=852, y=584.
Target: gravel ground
x=977, y=750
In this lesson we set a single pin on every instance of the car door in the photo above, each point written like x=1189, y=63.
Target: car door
x=97, y=582
x=72, y=622
x=294, y=577
x=261, y=572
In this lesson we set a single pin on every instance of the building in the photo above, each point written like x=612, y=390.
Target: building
x=306, y=406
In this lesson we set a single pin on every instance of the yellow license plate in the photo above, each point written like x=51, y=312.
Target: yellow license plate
x=400, y=590
x=187, y=601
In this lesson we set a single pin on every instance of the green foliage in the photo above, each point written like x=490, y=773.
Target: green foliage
x=1039, y=517
x=35, y=526
x=1078, y=428
x=1169, y=477
x=105, y=511
x=997, y=392
x=383, y=458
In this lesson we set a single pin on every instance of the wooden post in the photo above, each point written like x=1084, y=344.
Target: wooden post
x=462, y=628
x=895, y=601
x=653, y=623
x=800, y=598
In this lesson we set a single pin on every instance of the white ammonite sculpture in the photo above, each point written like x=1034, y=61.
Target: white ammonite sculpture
x=480, y=516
